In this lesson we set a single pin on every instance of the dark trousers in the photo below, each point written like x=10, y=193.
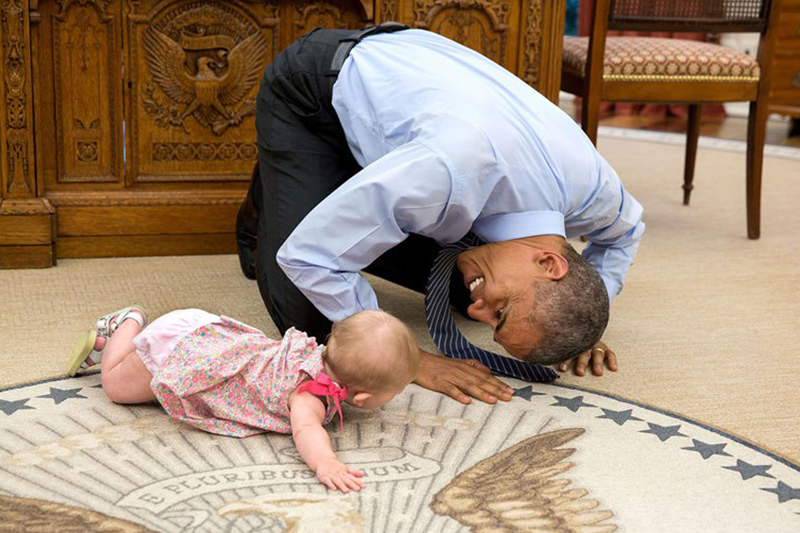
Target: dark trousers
x=304, y=157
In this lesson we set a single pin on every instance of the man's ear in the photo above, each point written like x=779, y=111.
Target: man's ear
x=552, y=264
x=359, y=398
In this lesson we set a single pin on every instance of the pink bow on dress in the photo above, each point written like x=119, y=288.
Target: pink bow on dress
x=322, y=385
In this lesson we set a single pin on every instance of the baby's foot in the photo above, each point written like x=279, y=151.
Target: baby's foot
x=95, y=357
x=87, y=352
x=108, y=324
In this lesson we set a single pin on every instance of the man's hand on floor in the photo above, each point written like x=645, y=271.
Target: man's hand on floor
x=460, y=379
x=600, y=353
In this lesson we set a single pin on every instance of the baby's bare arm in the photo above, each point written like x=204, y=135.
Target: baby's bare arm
x=306, y=414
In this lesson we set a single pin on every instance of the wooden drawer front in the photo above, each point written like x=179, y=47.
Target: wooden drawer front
x=788, y=36
x=785, y=86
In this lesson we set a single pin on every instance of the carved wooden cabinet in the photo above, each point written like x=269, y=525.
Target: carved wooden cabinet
x=127, y=127
x=784, y=94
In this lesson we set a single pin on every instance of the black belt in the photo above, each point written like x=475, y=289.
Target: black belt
x=347, y=44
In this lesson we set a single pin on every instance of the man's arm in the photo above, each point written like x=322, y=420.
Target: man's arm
x=613, y=225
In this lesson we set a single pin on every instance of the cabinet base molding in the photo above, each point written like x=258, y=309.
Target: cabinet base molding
x=27, y=233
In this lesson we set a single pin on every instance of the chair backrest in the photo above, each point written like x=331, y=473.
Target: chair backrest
x=713, y=16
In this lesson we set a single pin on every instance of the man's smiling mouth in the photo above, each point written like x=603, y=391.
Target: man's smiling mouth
x=475, y=283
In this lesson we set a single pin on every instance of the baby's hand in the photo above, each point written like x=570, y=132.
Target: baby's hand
x=336, y=475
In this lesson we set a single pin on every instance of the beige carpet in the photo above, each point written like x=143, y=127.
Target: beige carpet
x=708, y=325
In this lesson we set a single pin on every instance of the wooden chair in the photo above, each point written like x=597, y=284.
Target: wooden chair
x=648, y=69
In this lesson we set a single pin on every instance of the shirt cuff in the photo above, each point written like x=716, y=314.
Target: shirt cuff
x=507, y=226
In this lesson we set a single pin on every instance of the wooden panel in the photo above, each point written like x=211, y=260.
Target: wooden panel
x=492, y=27
x=146, y=245
x=302, y=17
x=785, y=83
x=27, y=256
x=79, y=94
x=791, y=111
x=145, y=220
x=195, y=68
x=87, y=73
x=27, y=233
x=30, y=229
x=17, y=179
x=525, y=36
x=544, y=58
x=788, y=33
x=784, y=94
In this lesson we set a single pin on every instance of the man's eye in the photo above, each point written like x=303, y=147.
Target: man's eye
x=499, y=313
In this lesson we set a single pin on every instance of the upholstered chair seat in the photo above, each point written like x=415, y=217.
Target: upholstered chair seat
x=660, y=59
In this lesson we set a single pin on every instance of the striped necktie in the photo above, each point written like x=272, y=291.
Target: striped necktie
x=445, y=332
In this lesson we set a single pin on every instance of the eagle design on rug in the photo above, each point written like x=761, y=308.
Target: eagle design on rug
x=309, y=513
x=28, y=514
x=518, y=489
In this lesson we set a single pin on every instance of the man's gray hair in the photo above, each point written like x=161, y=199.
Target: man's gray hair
x=571, y=312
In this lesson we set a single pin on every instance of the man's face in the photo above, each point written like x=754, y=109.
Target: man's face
x=501, y=279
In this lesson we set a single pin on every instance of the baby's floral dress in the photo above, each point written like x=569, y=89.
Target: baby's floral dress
x=229, y=378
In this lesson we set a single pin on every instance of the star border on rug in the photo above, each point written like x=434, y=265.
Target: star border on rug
x=527, y=393
x=11, y=407
x=62, y=395
x=619, y=417
x=748, y=471
x=664, y=433
x=573, y=404
x=707, y=450
x=785, y=492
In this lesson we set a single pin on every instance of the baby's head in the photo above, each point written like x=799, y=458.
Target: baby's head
x=374, y=355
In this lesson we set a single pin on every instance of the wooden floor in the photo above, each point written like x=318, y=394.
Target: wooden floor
x=778, y=129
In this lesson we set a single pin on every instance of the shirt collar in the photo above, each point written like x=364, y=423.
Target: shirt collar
x=508, y=226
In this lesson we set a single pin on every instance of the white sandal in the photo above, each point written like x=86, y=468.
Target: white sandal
x=108, y=324
x=83, y=355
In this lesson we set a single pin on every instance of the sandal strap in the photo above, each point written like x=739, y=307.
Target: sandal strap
x=94, y=358
x=108, y=324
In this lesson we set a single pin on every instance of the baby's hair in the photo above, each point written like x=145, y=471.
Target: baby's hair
x=372, y=351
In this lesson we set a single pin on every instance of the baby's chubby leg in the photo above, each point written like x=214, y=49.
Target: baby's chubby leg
x=125, y=378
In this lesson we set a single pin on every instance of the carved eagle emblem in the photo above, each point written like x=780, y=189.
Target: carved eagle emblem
x=519, y=489
x=211, y=87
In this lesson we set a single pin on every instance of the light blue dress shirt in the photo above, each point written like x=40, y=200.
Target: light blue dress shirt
x=450, y=142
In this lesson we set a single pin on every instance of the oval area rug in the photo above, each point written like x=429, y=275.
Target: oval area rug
x=555, y=459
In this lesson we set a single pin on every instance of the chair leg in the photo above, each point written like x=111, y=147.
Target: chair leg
x=590, y=115
x=692, y=133
x=756, y=131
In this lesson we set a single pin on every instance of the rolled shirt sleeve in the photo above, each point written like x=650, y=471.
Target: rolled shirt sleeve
x=612, y=223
